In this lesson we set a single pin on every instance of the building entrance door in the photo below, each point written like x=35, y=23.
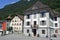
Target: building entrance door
x=34, y=32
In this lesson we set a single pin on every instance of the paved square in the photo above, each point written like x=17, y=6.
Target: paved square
x=23, y=37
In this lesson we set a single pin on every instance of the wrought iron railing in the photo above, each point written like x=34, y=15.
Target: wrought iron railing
x=34, y=26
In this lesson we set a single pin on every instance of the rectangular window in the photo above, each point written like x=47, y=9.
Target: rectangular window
x=27, y=31
x=55, y=24
x=28, y=16
x=55, y=18
x=15, y=20
x=34, y=22
x=20, y=24
x=43, y=22
x=17, y=24
x=43, y=31
x=28, y=23
x=43, y=14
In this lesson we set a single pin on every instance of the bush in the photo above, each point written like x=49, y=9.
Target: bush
x=9, y=28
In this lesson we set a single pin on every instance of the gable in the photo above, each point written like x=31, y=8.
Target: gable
x=16, y=18
x=37, y=5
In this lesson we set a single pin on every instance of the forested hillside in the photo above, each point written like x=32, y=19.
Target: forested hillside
x=22, y=5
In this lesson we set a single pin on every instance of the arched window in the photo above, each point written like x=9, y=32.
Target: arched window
x=27, y=30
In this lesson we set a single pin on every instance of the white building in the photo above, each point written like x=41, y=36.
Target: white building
x=39, y=20
x=17, y=23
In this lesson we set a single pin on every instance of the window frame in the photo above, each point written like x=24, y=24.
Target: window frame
x=28, y=16
x=28, y=23
x=43, y=14
x=56, y=25
x=55, y=18
x=43, y=31
x=43, y=22
x=27, y=30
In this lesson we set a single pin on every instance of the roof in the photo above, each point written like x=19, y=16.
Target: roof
x=56, y=14
x=37, y=5
x=9, y=18
x=20, y=16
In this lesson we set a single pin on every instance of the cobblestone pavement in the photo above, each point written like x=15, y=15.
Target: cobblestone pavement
x=22, y=37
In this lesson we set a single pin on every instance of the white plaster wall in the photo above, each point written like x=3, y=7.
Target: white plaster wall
x=59, y=25
x=19, y=21
x=26, y=20
x=34, y=19
x=38, y=19
x=55, y=22
x=40, y=32
x=46, y=19
x=30, y=31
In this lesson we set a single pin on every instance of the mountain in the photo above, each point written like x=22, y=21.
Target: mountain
x=21, y=6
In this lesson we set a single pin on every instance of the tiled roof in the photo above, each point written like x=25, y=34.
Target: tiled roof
x=37, y=5
x=9, y=18
x=20, y=16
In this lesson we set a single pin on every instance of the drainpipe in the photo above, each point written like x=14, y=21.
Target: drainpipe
x=50, y=34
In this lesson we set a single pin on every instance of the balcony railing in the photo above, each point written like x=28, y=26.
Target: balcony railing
x=34, y=26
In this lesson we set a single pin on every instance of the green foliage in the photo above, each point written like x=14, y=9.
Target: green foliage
x=9, y=28
x=22, y=5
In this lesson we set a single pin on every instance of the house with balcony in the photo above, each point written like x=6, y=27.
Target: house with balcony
x=41, y=20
